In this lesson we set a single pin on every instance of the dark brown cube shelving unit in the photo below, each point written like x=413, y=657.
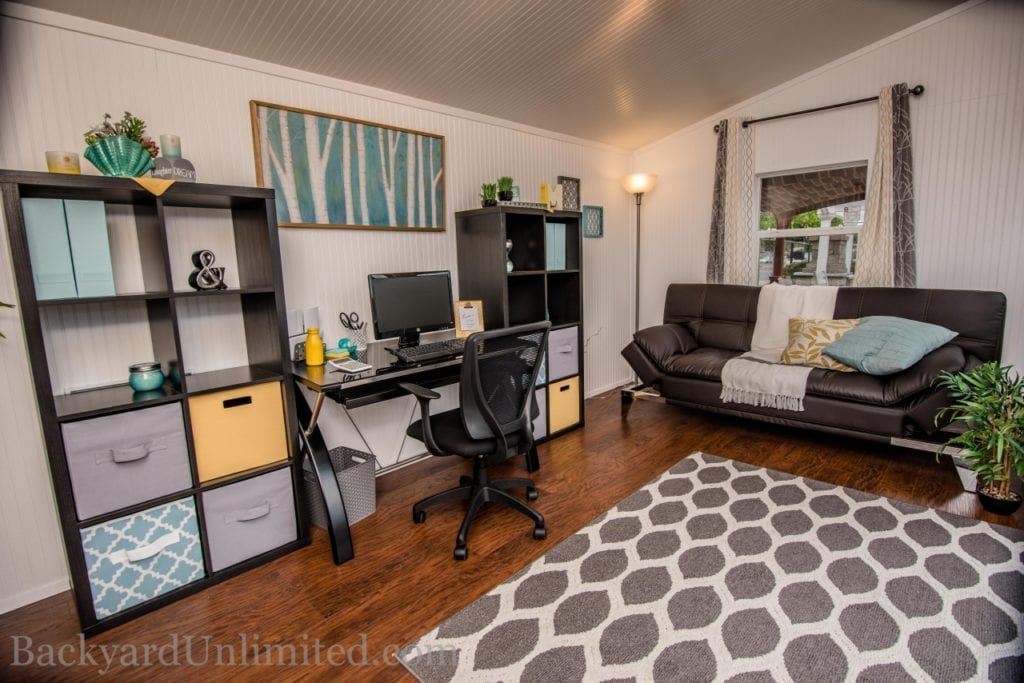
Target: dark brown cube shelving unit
x=537, y=288
x=163, y=306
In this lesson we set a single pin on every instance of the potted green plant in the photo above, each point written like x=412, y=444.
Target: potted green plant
x=505, y=188
x=989, y=401
x=488, y=193
x=120, y=148
x=4, y=304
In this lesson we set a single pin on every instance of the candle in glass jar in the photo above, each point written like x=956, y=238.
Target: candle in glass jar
x=170, y=146
x=62, y=162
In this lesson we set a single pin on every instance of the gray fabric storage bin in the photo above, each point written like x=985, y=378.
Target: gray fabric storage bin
x=540, y=425
x=355, y=471
x=249, y=517
x=120, y=460
x=563, y=353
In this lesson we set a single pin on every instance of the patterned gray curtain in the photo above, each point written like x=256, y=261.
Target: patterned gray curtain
x=716, y=245
x=904, y=257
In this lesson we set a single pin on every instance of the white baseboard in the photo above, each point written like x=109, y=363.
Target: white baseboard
x=608, y=387
x=9, y=603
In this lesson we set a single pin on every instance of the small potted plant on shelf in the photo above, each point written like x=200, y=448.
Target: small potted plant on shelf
x=488, y=193
x=505, y=188
x=990, y=403
x=120, y=148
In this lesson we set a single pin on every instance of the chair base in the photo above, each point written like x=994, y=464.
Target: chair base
x=480, y=489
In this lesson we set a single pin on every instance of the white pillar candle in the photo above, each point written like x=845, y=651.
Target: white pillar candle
x=170, y=146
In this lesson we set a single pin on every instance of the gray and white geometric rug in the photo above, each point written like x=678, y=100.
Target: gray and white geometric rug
x=722, y=571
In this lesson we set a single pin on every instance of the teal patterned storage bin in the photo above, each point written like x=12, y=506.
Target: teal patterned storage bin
x=138, y=557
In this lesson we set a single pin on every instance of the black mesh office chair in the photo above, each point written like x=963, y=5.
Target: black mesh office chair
x=493, y=422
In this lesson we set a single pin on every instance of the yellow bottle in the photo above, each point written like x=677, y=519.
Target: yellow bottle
x=314, y=347
x=544, y=197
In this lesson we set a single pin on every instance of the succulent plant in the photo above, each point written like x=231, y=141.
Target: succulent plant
x=488, y=192
x=130, y=126
x=505, y=184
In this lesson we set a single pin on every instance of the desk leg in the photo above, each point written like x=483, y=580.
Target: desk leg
x=312, y=442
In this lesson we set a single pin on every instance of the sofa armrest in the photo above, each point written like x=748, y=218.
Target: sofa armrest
x=922, y=375
x=651, y=348
x=661, y=342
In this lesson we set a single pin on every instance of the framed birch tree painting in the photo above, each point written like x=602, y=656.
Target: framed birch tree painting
x=334, y=172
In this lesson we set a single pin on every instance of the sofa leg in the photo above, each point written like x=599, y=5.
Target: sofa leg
x=626, y=397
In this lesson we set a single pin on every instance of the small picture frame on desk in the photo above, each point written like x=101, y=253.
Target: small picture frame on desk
x=469, y=317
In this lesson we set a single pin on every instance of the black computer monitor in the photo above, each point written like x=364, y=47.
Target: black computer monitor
x=405, y=304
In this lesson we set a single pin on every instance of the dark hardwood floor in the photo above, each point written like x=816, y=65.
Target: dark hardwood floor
x=403, y=580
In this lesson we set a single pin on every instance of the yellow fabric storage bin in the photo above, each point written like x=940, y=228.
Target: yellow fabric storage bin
x=563, y=404
x=238, y=429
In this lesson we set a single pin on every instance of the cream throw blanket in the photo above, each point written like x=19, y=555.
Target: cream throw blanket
x=757, y=378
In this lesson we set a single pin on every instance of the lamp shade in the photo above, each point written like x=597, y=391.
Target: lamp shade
x=639, y=182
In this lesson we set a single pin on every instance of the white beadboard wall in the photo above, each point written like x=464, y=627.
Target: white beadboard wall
x=59, y=74
x=968, y=136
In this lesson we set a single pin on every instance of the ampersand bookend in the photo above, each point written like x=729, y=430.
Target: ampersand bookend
x=206, y=276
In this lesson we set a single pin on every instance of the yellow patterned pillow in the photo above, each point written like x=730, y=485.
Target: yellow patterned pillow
x=809, y=336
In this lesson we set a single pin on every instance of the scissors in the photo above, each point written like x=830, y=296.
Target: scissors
x=351, y=321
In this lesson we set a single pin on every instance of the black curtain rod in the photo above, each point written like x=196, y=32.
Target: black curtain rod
x=916, y=90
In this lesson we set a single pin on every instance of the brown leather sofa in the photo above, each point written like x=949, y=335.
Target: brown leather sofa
x=706, y=325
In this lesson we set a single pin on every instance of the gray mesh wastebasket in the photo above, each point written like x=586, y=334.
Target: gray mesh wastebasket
x=355, y=473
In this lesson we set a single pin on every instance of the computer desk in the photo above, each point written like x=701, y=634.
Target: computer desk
x=351, y=391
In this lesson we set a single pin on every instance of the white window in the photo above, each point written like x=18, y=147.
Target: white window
x=809, y=223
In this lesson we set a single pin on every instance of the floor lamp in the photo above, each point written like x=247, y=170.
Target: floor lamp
x=636, y=184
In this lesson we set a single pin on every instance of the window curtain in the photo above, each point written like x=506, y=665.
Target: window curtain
x=732, y=248
x=885, y=249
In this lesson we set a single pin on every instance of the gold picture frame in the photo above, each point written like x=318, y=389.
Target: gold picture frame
x=469, y=317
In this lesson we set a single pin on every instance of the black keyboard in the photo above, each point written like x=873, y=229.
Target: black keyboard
x=449, y=348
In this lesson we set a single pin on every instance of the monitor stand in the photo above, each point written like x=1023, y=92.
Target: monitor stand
x=408, y=338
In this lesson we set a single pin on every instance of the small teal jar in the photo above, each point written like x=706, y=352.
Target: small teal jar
x=145, y=376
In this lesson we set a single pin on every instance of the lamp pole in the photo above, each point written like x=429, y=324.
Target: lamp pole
x=636, y=286
x=637, y=184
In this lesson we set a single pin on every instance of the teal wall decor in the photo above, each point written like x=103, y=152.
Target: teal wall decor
x=334, y=172
x=593, y=221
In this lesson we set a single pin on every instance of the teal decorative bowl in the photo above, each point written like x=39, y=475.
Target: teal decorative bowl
x=119, y=156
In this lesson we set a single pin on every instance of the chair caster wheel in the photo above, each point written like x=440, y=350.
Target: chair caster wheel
x=531, y=493
x=461, y=553
x=419, y=517
x=540, y=533
x=465, y=481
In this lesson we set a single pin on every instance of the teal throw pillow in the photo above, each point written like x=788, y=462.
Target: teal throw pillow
x=882, y=345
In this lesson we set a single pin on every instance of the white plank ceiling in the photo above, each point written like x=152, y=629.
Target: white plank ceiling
x=624, y=72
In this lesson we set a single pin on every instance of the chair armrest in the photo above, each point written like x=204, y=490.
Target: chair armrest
x=421, y=393
x=424, y=396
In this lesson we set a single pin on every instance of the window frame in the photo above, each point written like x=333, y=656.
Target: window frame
x=783, y=233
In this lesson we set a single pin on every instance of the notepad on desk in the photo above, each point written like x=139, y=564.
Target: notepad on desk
x=350, y=366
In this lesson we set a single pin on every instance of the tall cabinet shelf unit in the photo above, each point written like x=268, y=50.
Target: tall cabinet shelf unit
x=543, y=282
x=160, y=493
